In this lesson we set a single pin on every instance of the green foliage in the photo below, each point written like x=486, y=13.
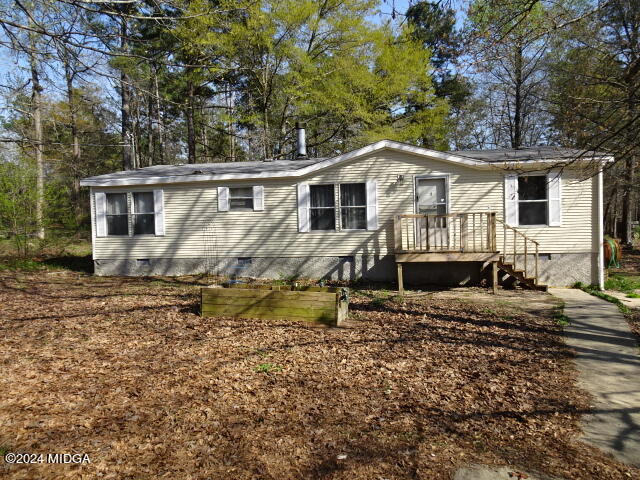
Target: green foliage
x=20, y=264
x=66, y=206
x=434, y=27
x=17, y=203
x=350, y=80
x=268, y=368
x=626, y=284
x=559, y=316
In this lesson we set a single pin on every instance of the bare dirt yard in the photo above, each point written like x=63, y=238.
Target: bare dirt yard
x=127, y=372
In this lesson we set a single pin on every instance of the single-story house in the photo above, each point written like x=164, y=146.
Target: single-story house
x=388, y=208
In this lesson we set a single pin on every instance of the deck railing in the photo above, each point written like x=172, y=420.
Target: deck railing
x=471, y=232
x=517, y=248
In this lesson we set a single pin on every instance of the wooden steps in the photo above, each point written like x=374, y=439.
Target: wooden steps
x=519, y=276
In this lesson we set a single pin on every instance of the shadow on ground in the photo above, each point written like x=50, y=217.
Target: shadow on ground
x=74, y=263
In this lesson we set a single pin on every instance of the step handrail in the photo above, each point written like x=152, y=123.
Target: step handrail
x=517, y=232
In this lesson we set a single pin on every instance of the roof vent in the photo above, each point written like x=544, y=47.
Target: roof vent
x=301, y=147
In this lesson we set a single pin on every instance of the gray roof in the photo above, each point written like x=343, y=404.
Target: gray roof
x=526, y=154
x=298, y=168
x=211, y=168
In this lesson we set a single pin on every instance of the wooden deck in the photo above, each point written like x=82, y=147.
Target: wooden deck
x=465, y=237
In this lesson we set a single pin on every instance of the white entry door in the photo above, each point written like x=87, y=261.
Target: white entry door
x=431, y=199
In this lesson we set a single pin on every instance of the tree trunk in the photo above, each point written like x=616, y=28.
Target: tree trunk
x=75, y=142
x=205, y=141
x=36, y=107
x=628, y=197
x=516, y=136
x=191, y=132
x=159, y=124
x=610, y=208
x=125, y=110
x=151, y=148
x=232, y=133
x=629, y=185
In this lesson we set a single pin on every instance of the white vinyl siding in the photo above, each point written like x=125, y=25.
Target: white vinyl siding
x=276, y=232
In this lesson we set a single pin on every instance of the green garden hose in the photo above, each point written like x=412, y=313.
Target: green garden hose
x=613, y=262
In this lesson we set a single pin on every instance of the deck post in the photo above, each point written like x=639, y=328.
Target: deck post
x=494, y=229
x=525, y=257
x=400, y=281
x=494, y=277
x=397, y=229
x=463, y=232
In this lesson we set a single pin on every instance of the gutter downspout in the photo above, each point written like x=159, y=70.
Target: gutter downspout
x=93, y=222
x=600, y=229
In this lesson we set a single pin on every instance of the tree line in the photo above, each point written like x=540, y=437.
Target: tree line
x=93, y=87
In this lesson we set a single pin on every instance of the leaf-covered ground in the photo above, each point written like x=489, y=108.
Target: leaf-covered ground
x=127, y=372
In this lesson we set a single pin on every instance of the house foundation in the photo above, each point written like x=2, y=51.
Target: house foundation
x=556, y=269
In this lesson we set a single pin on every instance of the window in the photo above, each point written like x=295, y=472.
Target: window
x=322, y=207
x=143, y=214
x=117, y=214
x=532, y=199
x=241, y=198
x=353, y=206
x=129, y=213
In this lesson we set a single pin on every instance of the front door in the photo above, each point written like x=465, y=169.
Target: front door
x=431, y=199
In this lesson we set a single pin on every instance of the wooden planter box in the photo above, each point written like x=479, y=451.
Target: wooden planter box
x=325, y=305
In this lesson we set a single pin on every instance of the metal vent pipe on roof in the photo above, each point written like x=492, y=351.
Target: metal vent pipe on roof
x=301, y=146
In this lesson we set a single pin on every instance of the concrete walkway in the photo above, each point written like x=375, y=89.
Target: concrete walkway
x=608, y=362
x=629, y=302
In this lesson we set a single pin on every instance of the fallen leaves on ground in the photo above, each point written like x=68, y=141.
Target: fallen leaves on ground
x=126, y=371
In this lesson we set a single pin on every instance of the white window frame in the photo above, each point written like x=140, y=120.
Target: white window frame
x=340, y=207
x=107, y=215
x=546, y=200
x=252, y=198
x=133, y=213
x=336, y=221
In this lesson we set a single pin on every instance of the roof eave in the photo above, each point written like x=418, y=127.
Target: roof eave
x=561, y=162
x=96, y=182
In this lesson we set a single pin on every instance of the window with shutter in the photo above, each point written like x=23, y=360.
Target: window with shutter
x=117, y=214
x=532, y=200
x=143, y=213
x=322, y=213
x=129, y=213
x=240, y=198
